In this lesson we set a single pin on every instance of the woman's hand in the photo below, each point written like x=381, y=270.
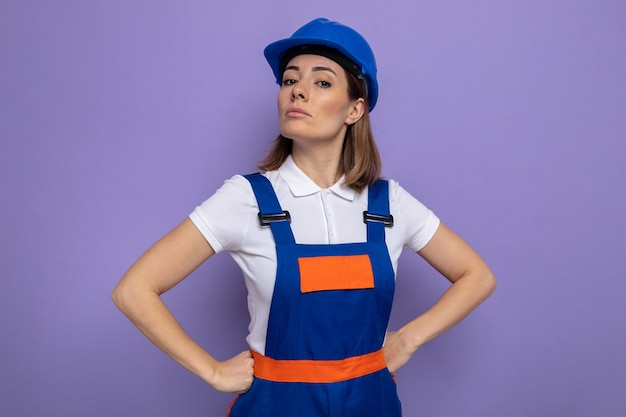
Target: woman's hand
x=235, y=374
x=396, y=351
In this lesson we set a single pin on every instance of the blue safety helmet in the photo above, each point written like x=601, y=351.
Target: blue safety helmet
x=324, y=37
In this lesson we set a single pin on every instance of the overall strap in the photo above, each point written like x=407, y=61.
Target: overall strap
x=377, y=216
x=271, y=213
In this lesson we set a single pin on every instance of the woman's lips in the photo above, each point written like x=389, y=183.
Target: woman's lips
x=296, y=112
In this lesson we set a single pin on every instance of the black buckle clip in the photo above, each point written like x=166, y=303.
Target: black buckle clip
x=266, y=219
x=386, y=220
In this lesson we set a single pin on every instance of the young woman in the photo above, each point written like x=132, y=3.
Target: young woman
x=317, y=236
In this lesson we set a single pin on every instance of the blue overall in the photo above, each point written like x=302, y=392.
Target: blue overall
x=319, y=324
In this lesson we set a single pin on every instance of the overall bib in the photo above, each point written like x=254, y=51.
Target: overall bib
x=327, y=322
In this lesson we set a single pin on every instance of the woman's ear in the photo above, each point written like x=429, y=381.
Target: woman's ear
x=356, y=111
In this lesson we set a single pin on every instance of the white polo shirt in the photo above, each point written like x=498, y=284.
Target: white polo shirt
x=228, y=220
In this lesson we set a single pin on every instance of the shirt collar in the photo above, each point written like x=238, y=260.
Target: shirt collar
x=301, y=185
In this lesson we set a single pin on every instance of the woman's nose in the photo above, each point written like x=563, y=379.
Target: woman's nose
x=298, y=92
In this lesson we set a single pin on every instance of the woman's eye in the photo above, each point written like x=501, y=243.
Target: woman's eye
x=289, y=81
x=324, y=84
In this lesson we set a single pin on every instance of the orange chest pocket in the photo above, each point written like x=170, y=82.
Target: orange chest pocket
x=323, y=273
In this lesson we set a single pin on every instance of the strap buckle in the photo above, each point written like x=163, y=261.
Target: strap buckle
x=387, y=221
x=267, y=219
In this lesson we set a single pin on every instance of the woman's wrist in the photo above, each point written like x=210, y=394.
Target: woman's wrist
x=413, y=336
x=210, y=373
x=408, y=340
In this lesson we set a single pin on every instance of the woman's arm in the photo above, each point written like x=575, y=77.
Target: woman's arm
x=138, y=293
x=472, y=282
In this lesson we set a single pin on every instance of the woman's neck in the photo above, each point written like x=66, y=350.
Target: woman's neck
x=322, y=167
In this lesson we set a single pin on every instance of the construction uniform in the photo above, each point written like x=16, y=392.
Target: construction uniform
x=328, y=316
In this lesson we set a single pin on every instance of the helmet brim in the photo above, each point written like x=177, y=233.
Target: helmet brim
x=274, y=52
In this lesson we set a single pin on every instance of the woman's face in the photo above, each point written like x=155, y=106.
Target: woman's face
x=313, y=102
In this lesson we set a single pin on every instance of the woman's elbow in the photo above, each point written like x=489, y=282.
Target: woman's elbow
x=488, y=282
x=122, y=297
x=117, y=295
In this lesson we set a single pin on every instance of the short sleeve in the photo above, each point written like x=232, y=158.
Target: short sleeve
x=420, y=223
x=224, y=218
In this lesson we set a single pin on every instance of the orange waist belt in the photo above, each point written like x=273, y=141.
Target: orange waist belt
x=320, y=371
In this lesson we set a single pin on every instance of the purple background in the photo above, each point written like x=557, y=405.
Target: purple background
x=507, y=118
